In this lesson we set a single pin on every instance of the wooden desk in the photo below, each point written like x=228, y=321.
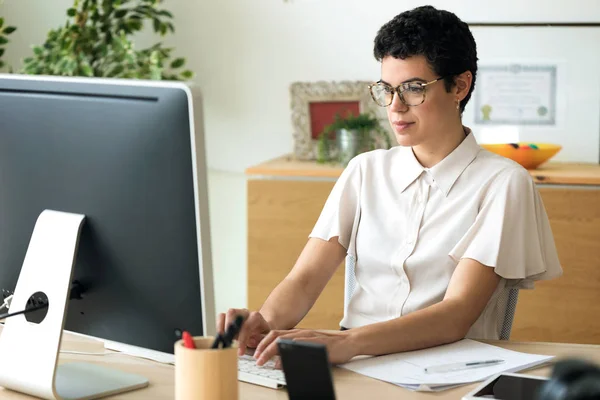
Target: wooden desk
x=348, y=385
x=286, y=196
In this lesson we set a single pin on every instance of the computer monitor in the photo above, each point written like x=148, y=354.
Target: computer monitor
x=128, y=156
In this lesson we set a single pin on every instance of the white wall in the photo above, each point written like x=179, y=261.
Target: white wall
x=247, y=52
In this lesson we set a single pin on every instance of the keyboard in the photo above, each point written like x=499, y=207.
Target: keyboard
x=265, y=375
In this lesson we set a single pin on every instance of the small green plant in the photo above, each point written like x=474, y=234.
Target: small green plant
x=370, y=134
x=95, y=41
x=4, y=32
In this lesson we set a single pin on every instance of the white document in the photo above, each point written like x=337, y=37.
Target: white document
x=408, y=369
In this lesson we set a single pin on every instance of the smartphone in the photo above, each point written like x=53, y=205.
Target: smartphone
x=306, y=369
x=507, y=386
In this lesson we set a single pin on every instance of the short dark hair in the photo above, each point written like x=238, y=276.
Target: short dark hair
x=440, y=36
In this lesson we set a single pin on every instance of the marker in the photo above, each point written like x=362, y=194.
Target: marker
x=188, y=341
x=227, y=338
x=460, y=366
x=232, y=331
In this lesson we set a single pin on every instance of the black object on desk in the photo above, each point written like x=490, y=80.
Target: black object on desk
x=306, y=369
x=572, y=379
x=226, y=339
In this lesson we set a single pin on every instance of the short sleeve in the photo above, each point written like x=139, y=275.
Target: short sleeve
x=512, y=233
x=341, y=212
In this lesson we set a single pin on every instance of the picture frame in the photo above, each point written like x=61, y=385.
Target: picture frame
x=315, y=104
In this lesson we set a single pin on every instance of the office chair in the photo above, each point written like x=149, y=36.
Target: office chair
x=512, y=296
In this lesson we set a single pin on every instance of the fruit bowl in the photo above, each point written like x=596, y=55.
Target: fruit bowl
x=529, y=155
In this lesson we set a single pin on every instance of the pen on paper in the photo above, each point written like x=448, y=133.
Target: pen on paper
x=462, y=365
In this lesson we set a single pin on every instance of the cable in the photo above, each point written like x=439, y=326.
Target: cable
x=25, y=311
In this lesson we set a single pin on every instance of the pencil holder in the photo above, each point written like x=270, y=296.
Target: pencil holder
x=204, y=373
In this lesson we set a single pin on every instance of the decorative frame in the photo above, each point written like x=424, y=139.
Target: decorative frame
x=303, y=94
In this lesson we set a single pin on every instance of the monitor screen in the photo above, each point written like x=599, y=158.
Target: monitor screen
x=126, y=155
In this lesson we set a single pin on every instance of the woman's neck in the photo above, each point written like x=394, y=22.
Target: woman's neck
x=435, y=150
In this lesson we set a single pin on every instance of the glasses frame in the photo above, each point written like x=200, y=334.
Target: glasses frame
x=398, y=90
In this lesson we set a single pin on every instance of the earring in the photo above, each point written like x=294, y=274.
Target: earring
x=457, y=105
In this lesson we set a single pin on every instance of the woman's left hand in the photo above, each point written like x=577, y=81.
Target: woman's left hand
x=339, y=348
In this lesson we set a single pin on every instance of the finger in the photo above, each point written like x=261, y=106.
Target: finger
x=249, y=329
x=231, y=315
x=245, y=333
x=221, y=323
x=270, y=351
x=254, y=340
x=266, y=342
x=273, y=336
x=278, y=364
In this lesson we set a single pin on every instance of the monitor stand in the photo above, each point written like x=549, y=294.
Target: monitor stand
x=29, y=351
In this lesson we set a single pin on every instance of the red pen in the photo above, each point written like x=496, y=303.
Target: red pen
x=188, y=342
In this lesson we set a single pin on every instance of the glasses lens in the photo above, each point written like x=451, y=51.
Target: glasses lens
x=413, y=94
x=382, y=94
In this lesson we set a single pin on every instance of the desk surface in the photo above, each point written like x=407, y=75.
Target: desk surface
x=549, y=173
x=348, y=385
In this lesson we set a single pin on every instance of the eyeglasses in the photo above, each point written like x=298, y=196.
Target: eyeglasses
x=411, y=93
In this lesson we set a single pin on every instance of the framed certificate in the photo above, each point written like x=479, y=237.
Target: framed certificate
x=516, y=94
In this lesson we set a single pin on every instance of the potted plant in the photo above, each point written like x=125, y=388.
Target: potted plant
x=96, y=41
x=4, y=32
x=349, y=136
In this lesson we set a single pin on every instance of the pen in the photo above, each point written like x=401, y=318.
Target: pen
x=188, y=342
x=227, y=338
x=461, y=366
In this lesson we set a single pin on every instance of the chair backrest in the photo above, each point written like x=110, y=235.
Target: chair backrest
x=349, y=281
x=505, y=323
x=509, y=315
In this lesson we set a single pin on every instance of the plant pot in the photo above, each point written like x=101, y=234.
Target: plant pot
x=349, y=143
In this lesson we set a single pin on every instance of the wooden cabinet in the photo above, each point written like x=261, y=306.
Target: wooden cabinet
x=285, y=198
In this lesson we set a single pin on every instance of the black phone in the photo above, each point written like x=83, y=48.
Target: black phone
x=306, y=369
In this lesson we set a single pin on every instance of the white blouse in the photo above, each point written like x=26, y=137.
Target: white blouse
x=408, y=227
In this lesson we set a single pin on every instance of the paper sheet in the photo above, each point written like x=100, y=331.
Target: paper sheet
x=407, y=369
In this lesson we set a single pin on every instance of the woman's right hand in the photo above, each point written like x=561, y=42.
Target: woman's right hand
x=254, y=328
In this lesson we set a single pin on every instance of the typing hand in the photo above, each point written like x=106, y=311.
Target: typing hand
x=339, y=348
x=254, y=328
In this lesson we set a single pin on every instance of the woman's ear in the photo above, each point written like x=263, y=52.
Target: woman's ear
x=462, y=84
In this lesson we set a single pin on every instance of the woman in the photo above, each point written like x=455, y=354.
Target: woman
x=440, y=229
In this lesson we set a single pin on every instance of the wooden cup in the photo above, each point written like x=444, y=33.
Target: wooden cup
x=204, y=373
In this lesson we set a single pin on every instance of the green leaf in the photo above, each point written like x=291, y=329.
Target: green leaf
x=2, y=64
x=71, y=66
x=163, y=29
x=187, y=74
x=1, y=22
x=116, y=70
x=71, y=12
x=178, y=63
x=135, y=25
x=3, y=40
x=121, y=13
x=86, y=70
x=155, y=73
x=27, y=60
x=63, y=64
x=156, y=25
x=9, y=29
x=1, y=52
x=165, y=13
